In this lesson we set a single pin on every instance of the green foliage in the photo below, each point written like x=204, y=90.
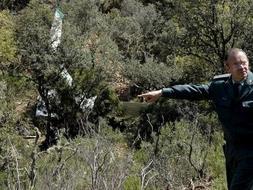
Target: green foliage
x=92, y=163
x=146, y=44
x=132, y=182
x=193, y=70
x=216, y=162
x=7, y=37
x=14, y=5
x=14, y=151
x=150, y=75
x=218, y=27
x=7, y=113
x=84, y=56
x=106, y=103
x=183, y=148
x=133, y=29
x=33, y=35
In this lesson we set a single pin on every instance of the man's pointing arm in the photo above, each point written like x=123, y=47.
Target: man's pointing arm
x=189, y=92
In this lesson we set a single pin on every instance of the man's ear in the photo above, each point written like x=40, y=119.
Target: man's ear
x=226, y=66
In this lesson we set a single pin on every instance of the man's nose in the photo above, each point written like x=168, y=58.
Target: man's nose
x=240, y=66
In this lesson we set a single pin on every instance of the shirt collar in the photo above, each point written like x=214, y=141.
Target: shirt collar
x=248, y=80
x=242, y=82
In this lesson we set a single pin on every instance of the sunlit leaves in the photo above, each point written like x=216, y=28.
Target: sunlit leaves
x=7, y=37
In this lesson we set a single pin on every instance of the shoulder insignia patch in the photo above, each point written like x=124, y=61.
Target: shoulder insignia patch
x=221, y=77
x=249, y=82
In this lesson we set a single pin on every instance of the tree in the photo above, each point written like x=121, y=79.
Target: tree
x=212, y=27
x=82, y=53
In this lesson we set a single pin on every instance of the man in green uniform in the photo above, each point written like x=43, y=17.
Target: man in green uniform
x=232, y=95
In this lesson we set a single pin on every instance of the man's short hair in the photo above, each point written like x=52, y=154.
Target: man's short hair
x=234, y=51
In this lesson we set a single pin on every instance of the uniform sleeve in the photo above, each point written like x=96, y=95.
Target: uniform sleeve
x=188, y=92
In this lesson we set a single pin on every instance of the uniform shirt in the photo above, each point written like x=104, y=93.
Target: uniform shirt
x=236, y=118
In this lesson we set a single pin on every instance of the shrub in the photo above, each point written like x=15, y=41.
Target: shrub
x=7, y=37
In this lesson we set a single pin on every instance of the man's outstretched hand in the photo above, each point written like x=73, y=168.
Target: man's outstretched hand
x=151, y=96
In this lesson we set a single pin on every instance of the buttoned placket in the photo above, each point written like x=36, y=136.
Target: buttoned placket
x=237, y=90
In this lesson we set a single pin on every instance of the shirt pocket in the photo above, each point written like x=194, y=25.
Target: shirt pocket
x=247, y=108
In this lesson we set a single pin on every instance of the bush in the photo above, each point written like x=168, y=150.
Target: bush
x=150, y=75
x=14, y=5
x=7, y=37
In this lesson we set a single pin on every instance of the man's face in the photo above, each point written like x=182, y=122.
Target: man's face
x=238, y=65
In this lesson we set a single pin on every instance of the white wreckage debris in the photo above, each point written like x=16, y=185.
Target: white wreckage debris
x=41, y=110
x=56, y=29
x=86, y=104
